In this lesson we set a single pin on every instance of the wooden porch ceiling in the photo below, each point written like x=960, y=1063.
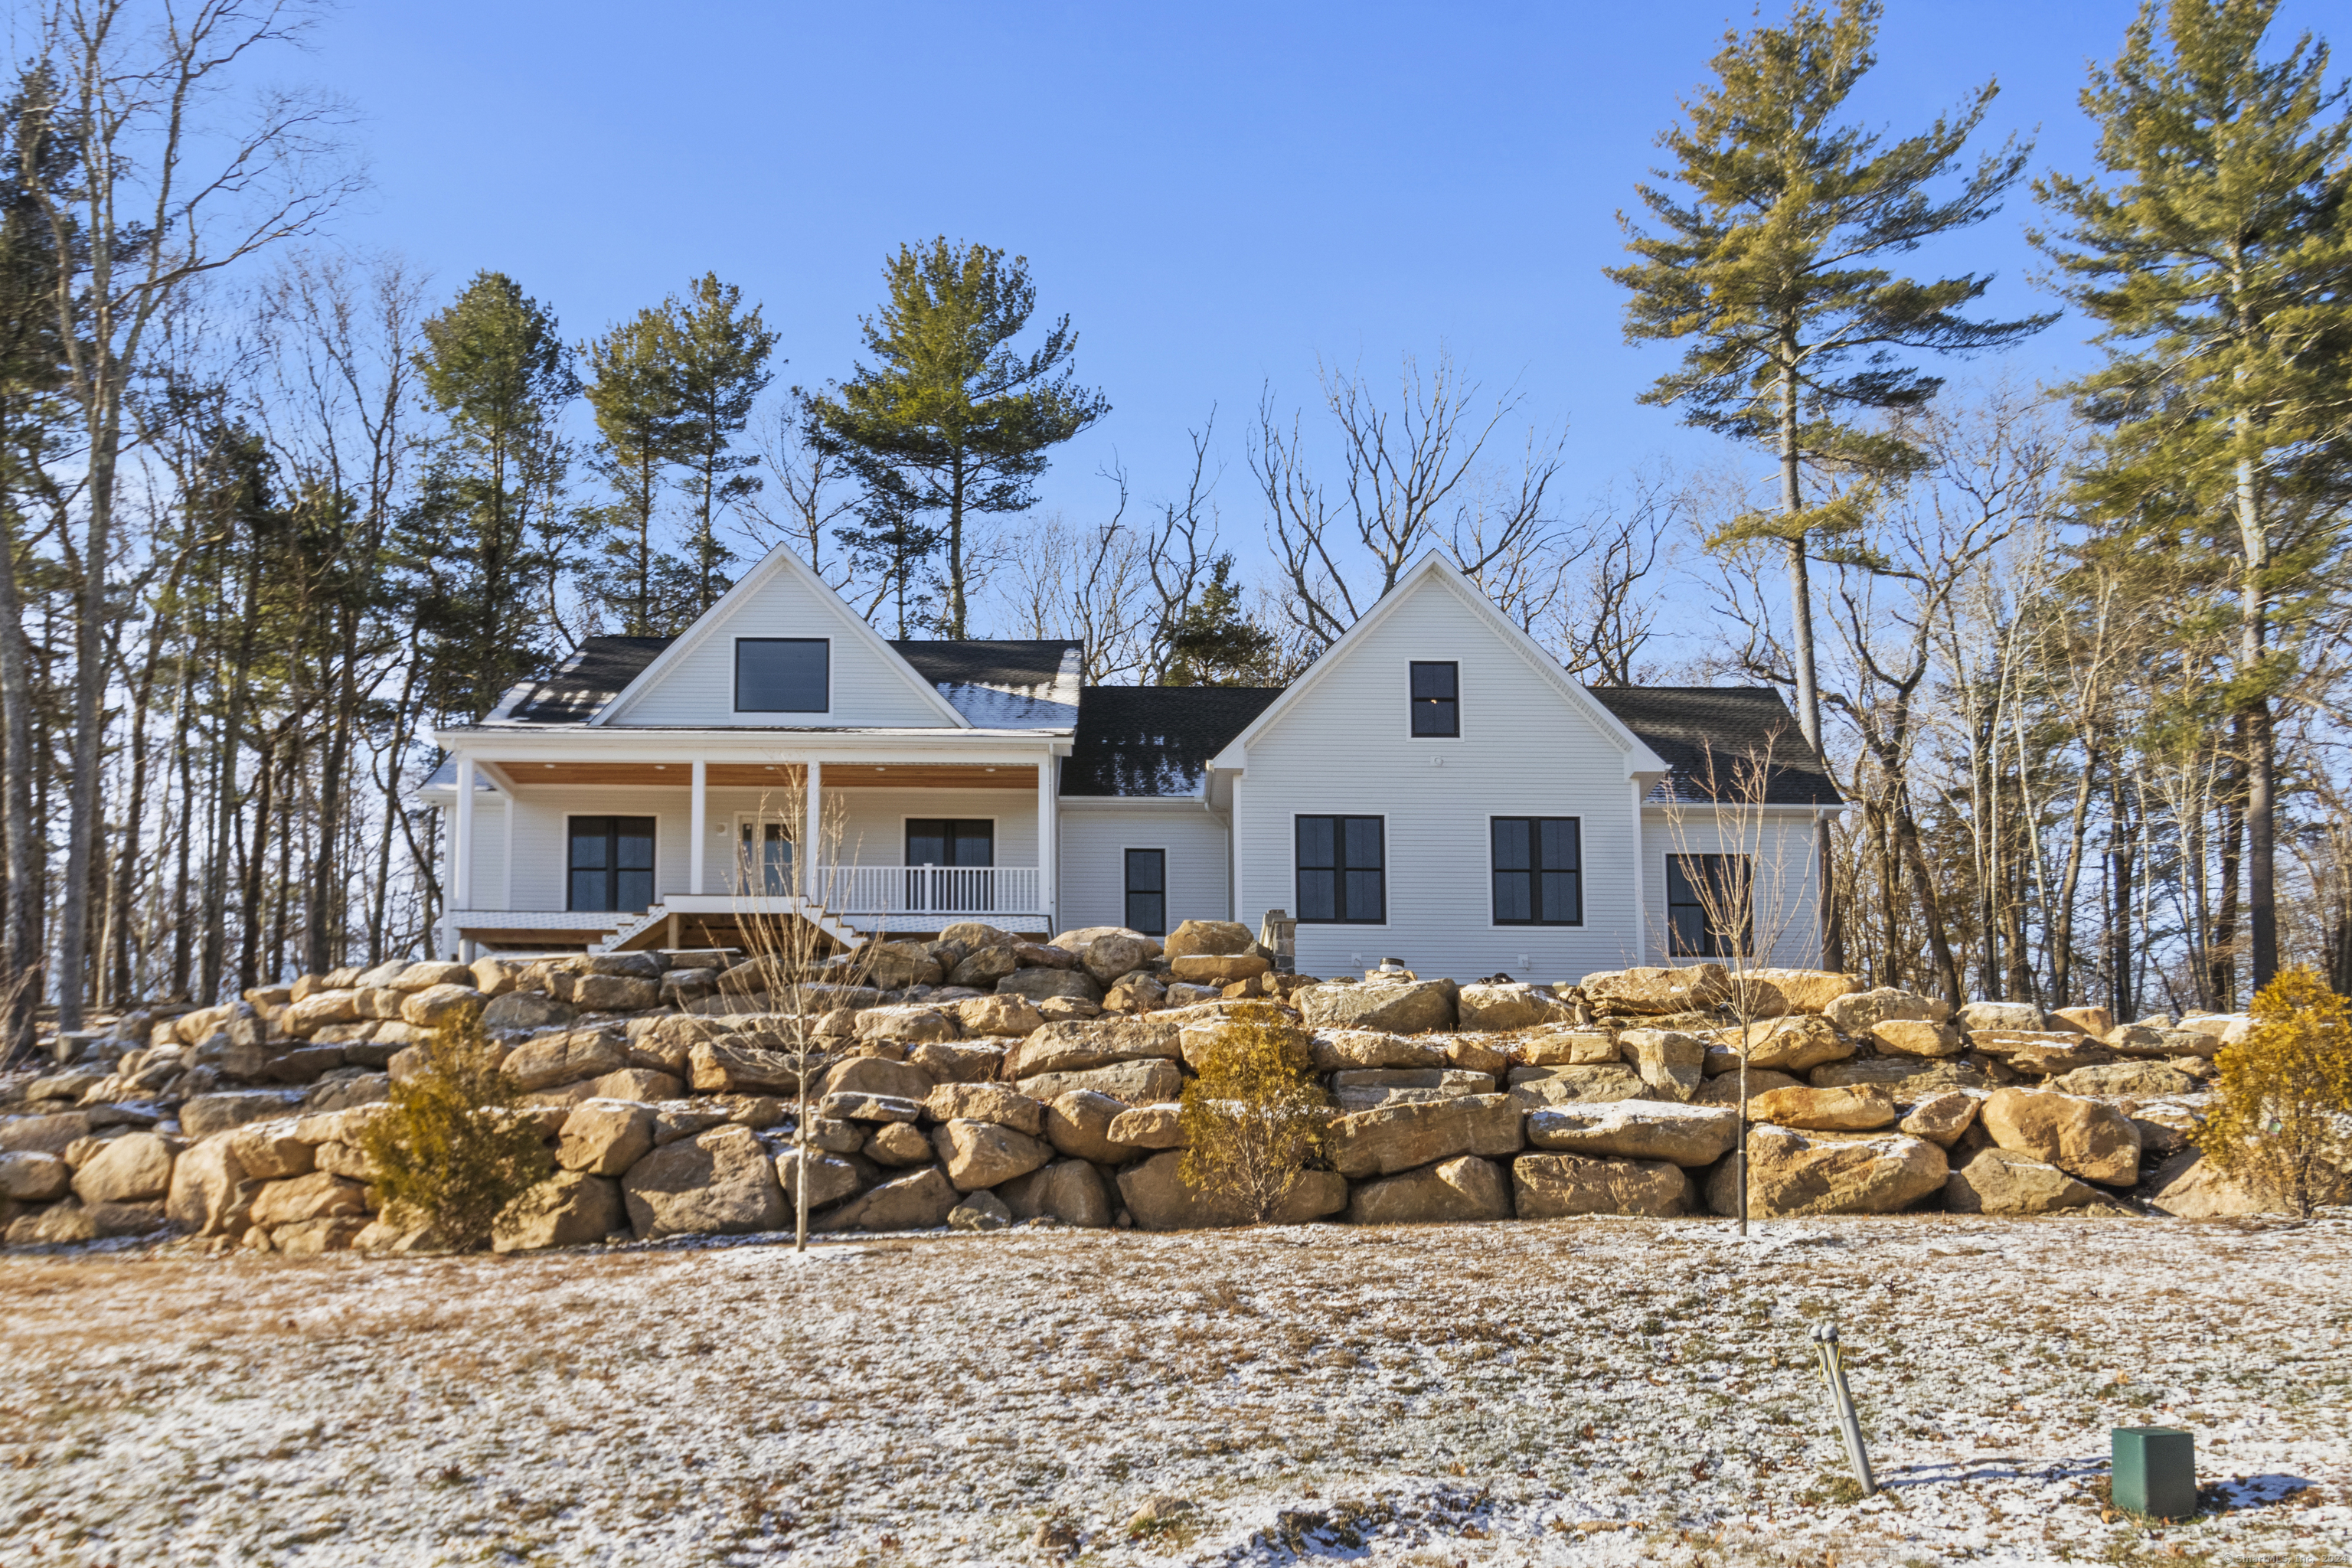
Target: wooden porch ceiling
x=778, y=775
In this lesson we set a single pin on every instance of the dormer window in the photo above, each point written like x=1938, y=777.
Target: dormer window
x=1436, y=699
x=783, y=675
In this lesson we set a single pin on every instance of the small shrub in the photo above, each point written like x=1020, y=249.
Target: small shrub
x=448, y=1153
x=1253, y=1118
x=2282, y=1122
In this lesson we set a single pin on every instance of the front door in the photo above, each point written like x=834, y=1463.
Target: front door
x=947, y=863
x=763, y=854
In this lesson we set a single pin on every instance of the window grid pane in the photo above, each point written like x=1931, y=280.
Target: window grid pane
x=1340, y=868
x=1435, y=690
x=1538, y=872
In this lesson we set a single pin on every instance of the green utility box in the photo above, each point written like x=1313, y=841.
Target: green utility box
x=2154, y=1471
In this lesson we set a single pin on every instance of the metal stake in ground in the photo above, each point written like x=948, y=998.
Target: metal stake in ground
x=1825, y=1342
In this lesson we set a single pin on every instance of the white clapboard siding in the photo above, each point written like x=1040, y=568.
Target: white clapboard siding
x=1095, y=835
x=1526, y=749
x=871, y=685
x=1781, y=845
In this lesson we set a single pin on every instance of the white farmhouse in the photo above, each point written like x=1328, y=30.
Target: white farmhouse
x=1435, y=789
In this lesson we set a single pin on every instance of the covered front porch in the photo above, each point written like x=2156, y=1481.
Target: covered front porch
x=627, y=853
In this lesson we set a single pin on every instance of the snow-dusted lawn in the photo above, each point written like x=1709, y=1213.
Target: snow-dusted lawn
x=1579, y=1391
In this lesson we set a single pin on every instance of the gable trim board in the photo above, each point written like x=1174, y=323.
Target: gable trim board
x=1638, y=758
x=779, y=562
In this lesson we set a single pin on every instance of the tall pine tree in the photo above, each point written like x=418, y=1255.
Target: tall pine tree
x=633, y=388
x=720, y=356
x=1767, y=259
x=951, y=419
x=2218, y=258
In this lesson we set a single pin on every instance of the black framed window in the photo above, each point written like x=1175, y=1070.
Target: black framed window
x=1436, y=698
x=1342, y=870
x=1710, y=908
x=783, y=675
x=1539, y=870
x=1146, y=891
x=609, y=863
x=949, y=841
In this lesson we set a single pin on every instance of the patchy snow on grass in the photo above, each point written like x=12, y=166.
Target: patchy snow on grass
x=1575, y=1392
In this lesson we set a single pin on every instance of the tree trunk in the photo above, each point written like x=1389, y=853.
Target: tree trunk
x=20, y=923
x=1939, y=948
x=2220, y=976
x=2262, y=898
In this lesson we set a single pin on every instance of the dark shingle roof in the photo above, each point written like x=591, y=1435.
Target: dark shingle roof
x=999, y=663
x=1711, y=732
x=1155, y=740
x=587, y=680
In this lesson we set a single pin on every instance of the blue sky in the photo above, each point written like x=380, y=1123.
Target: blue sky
x=1216, y=194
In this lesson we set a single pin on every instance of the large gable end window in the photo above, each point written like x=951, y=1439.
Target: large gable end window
x=783, y=675
x=1539, y=870
x=1710, y=908
x=1342, y=871
x=1436, y=699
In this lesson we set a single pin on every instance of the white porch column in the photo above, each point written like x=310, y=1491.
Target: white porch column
x=1048, y=833
x=812, y=844
x=461, y=874
x=697, y=843
x=506, y=867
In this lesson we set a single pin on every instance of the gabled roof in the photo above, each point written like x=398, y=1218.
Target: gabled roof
x=778, y=563
x=1433, y=567
x=1155, y=740
x=598, y=671
x=1711, y=736
x=1004, y=684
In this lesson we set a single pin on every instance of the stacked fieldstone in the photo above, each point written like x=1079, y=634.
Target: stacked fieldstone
x=982, y=1080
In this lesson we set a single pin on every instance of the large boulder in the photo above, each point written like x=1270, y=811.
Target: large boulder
x=878, y=1074
x=209, y=1113
x=2191, y=1186
x=211, y=1194
x=1339, y=1050
x=1568, y=1047
x=26, y=1177
x=830, y=1177
x=1534, y=1087
x=321, y=1194
x=982, y=1153
x=1790, y=993
x=2082, y=1137
x=1553, y=1186
x=1724, y=1088
x=1399, y=1137
x=1685, y=1135
x=444, y=1006
x=1790, y=1174
x=1158, y=1198
x=273, y=1150
x=1691, y=988
x=909, y=1025
x=722, y=1066
x=1670, y=1063
x=1941, y=1119
x=717, y=1183
x=1070, y=1191
x=1080, y=1043
x=571, y=1208
x=2135, y=1079
x=959, y=1061
x=1398, y=1007
x=983, y=967
x=1854, y=1012
x=894, y=966
x=921, y=1201
x=1040, y=984
x=1114, y=953
x=425, y=974
x=1996, y=1182
x=1078, y=1124
x=897, y=1144
x=554, y=1060
x=1796, y=1043
x=1001, y=1014
x=133, y=1169
x=614, y=993
x=1502, y=1007
x=1084, y=937
x=1218, y=969
x=605, y=1137
x=1863, y=1108
x=1144, y=1083
x=53, y=1134
x=1147, y=1127
x=860, y=1107
x=1211, y=938
x=1916, y=1038
x=1463, y=1188
x=997, y=1102
x=1976, y=1016
x=1906, y=1078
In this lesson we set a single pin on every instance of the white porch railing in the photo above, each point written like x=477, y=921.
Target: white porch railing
x=955, y=890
